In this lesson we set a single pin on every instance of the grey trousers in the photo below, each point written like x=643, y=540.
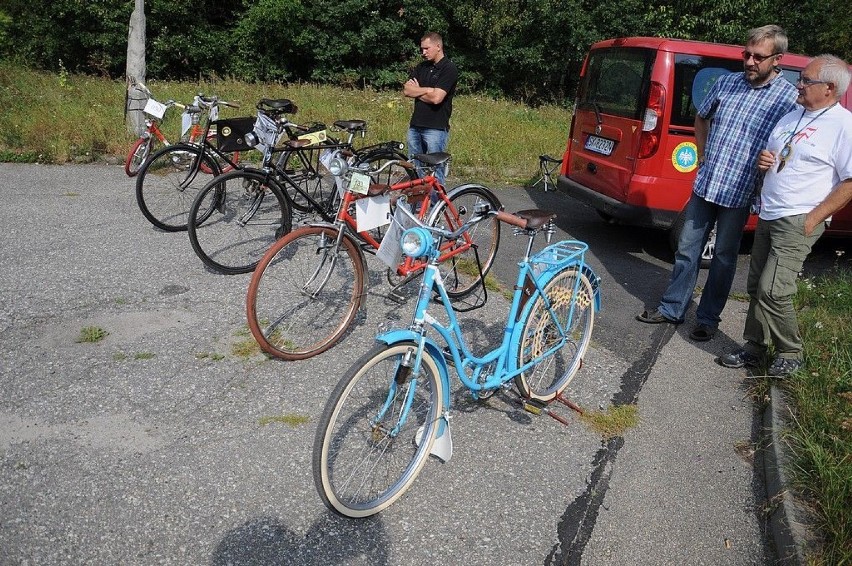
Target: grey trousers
x=779, y=251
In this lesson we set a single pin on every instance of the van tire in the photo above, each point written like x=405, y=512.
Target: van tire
x=674, y=237
x=608, y=218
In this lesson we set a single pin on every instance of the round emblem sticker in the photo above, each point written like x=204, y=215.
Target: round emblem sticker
x=226, y=131
x=685, y=157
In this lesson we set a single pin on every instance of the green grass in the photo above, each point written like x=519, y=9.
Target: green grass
x=51, y=119
x=821, y=396
x=91, y=334
x=292, y=420
x=612, y=422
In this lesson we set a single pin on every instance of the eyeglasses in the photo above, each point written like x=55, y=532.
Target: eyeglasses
x=757, y=58
x=806, y=82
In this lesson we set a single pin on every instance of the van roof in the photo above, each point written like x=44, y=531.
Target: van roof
x=698, y=47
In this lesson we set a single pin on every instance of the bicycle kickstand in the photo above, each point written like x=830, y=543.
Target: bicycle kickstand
x=538, y=407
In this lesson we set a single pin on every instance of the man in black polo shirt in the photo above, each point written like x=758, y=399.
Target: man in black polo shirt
x=431, y=84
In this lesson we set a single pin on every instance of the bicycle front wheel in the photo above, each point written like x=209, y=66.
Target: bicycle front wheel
x=236, y=218
x=168, y=183
x=137, y=156
x=305, y=293
x=460, y=272
x=366, y=454
x=572, y=302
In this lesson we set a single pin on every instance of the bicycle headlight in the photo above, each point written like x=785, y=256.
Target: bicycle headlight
x=338, y=166
x=416, y=242
x=251, y=139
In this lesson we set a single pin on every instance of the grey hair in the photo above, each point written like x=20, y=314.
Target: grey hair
x=773, y=33
x=834, y=70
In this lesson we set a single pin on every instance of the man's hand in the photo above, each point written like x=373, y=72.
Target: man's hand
x=765, y=160
x=411, y=88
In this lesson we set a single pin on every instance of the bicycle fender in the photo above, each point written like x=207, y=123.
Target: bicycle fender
x=392, y=337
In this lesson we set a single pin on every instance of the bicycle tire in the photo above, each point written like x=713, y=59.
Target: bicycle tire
x=460, y=272
x=168, y=183
x=138, y=154
x=359, y=468
x=285, y=314
x=235, y=218
x=547, y=379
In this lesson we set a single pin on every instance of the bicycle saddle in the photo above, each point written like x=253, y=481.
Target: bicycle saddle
x=351, y=126
x=432, y=158
x=535, y=218
x=276, y=106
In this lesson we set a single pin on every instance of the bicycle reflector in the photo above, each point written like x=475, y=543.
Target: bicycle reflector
x=416, y=242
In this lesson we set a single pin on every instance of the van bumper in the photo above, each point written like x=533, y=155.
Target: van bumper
x=621, y=211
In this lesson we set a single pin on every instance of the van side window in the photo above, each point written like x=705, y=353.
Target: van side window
x=616, y=80
x=687, y=68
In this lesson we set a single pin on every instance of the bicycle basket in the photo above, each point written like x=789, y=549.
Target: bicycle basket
x=230, y=133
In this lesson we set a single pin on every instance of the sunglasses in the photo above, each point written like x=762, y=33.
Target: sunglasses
x=757, y=58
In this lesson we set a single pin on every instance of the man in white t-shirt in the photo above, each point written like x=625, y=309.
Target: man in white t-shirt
x=808, y=165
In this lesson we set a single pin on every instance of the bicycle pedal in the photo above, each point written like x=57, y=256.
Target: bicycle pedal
x=533, y=406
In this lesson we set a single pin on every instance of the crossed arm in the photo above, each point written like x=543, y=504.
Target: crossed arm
x=432, y=95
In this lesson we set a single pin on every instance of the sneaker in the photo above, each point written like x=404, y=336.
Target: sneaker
x=784, y=367
x=739, y=358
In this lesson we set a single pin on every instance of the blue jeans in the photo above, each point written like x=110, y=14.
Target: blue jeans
x=700, y=216
x=426, y=140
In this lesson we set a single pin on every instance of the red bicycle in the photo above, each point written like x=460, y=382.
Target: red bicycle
x=143, y=147
x=308, y=287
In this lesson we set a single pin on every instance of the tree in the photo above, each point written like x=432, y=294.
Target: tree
x=135, y=72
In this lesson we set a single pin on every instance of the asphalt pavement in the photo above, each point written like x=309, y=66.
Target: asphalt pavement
x=165, y=443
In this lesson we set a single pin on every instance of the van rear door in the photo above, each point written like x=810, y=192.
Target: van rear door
x=608, y=118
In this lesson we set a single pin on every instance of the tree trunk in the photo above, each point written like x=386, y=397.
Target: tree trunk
x=135, y=97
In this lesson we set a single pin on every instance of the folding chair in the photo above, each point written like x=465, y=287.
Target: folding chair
x=547, y=166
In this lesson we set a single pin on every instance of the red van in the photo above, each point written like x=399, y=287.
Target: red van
x=631, y=151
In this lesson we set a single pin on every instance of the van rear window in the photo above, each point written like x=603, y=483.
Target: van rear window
x=617, y=80
x=688, y=92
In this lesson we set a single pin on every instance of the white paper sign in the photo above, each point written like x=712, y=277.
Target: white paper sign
x=185, y=123
x=372, y=212
x=155, y=109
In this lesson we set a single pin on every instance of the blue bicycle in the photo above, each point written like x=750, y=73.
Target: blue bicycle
x=391, y=410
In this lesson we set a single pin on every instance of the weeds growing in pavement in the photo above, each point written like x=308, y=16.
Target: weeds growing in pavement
x=821, y=396
x=91, y=334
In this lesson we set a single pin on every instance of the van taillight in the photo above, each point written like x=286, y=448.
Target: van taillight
x=652, y=123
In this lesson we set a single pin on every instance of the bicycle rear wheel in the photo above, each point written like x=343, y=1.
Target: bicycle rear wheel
x=553, y=374
x=138, y=154
x=362, y=462
x=236, y=218
x=305, y=293
x=460, y=273
x=168, y=183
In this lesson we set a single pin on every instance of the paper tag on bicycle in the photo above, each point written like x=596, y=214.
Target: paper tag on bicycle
x=314, y=137
x=155, y=109
x=359, y=183
x=372, y=212
x=185, y=122
x=214, y=113
x=326, y=156
x=390, y=250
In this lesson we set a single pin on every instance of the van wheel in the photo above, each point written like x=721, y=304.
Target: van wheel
x=608, y=218
x=706, y=253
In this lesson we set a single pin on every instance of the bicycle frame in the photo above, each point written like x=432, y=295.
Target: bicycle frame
x=500, y=364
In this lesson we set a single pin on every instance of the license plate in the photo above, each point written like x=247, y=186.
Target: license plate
x=599, y=145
